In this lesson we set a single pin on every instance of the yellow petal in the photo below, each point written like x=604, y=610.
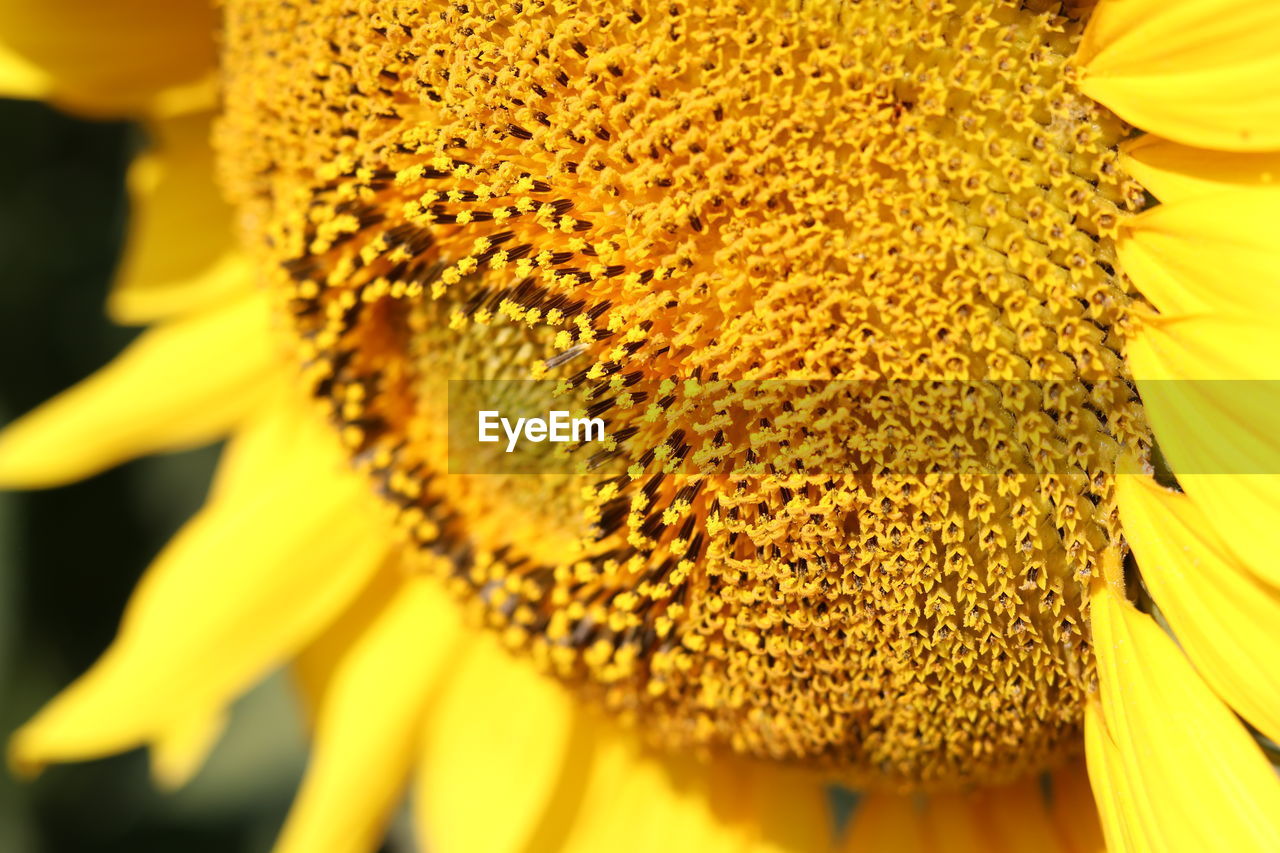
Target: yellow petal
x=624, y=798
x=315, y=665
x=21, y=78
x=635, y=802
x=1206, y=348
x=627, y=794
x=1007, y=819
x=1218, y=435
x=1223, y=616
x=1115, y=806
x=179, y=753
x=252, y=456
x=1206, y=426
x=893, y=822
x=180, y=385
x=180, y=254
x=241, y=588
x=125, y=57
x=1240, y=509
x=1019, y=818
x=1214, y=252
x=1074, y=811
x=1201, y=72
x=601, y=790
x=1189, y=776
x=367, y=733
x=498, y=742
x=1173, y=172
x=632, y=800
x=953, y=822
x=790, y=811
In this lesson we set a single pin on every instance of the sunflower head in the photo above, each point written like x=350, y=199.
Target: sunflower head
x=632, y=197
x=866, y=296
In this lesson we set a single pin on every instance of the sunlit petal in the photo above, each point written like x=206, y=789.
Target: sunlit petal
x=180, y=254
x=367, y=729
x=234, y=595
x=1215, y=790
x=126, y=57
x=180, y=385
x=1202, y=72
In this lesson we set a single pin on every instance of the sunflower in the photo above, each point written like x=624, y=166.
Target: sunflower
x=1072, y=203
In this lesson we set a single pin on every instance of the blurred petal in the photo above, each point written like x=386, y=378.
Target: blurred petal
x=1019, y=818
x=368, y=726
x=180, y=385
x=1074, y=811
x=1202, y=72
x=1173, y=172
x=235, y=594
x=179, y=753
x=180, y=254
x=1008, y=819
x=19, y=77
x=1181, y=770
x=314, y=667
x=953, y=823
x=252, y=455
x=499, y=736
x=635, y=802
x=126, y=57
x=790, y=810
x=1222, y=615
x=891, y=822
x=621, y=797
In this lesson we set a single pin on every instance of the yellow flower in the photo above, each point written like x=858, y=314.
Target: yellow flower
x=643, y=200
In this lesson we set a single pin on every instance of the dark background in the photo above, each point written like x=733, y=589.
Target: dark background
x=69, y=556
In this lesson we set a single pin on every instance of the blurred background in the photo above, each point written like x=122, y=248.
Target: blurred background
x=69, y=556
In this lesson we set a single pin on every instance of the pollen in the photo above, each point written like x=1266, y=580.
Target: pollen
x=779, y=247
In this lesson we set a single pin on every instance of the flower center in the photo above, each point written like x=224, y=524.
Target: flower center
x=843, y=199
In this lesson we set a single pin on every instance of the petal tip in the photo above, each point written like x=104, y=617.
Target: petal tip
x=24, y=462
x=22, y=757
